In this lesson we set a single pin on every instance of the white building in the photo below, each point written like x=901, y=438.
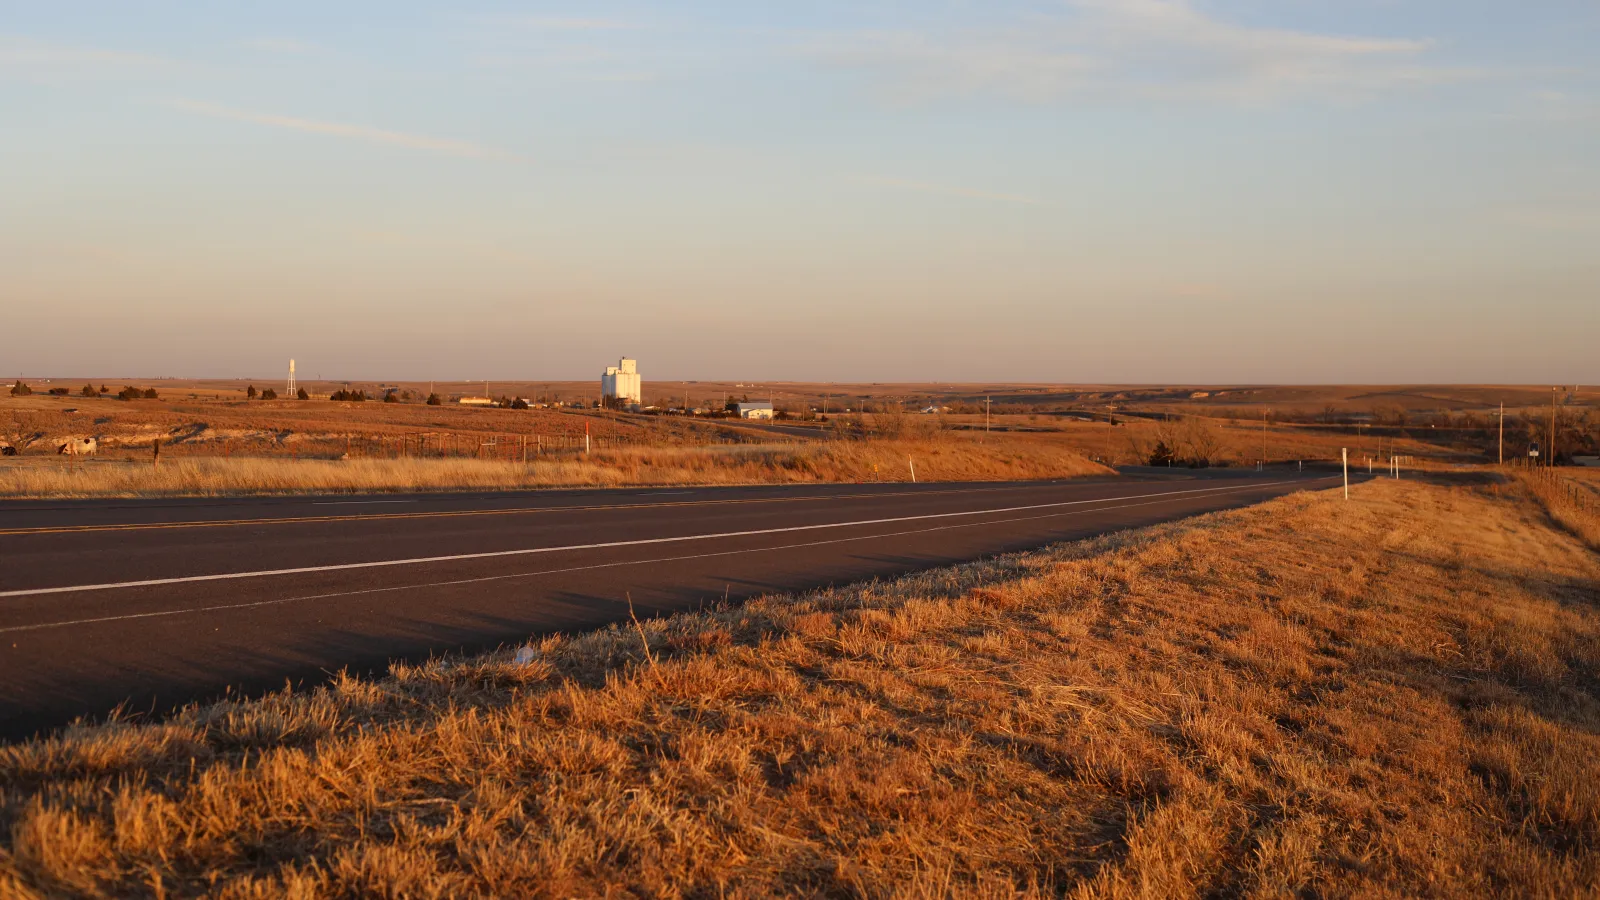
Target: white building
x=622, y=382
x=754, y=409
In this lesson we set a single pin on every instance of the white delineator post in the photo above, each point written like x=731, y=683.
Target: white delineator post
x=913, y=464
x=1344, y=455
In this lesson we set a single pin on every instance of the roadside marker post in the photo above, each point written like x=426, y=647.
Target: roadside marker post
x=1344, y=454
x=913, y=464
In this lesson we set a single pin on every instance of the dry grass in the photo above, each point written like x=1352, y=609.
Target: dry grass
x=1234, y=443
x=325, y=429
x=1570, y=496
x=1391, y=697
x=844, y=461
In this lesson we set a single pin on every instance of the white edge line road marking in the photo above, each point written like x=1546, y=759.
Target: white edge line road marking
x=607, y=565
x=498, y=510
x=487, y=511
x=341, y=567
x=355, y=502
x=514, y=510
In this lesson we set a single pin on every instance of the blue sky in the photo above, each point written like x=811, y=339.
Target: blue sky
x=1086, y=190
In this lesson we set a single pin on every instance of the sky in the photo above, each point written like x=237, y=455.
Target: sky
x=1137, y=191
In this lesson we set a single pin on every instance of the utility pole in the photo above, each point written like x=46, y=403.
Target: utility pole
x=986, y=402
x=1263, y=437
x=1502, y=433
x=1551, y=459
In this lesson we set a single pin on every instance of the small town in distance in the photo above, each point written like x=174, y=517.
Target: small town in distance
x=622, y=388
x=1163, y=425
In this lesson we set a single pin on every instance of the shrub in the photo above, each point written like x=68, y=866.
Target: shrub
x=129, y=392
x=250, y=392
x=20, y=390
x=390, y=397
x=269, y=394
x=519, y=403
x=433, y=400
x=89, y=391
x=59, y=391
x=150, y=394
x=302, y=395
x=348, y=396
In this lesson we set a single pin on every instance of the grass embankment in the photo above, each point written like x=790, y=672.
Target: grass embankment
x=1226, y=443
x=1570, y=496
x=840, y=461
x=1394, y=696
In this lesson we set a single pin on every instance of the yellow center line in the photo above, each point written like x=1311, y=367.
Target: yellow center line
x=442, y=514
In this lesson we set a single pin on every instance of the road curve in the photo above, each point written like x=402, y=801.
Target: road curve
x=152, y=604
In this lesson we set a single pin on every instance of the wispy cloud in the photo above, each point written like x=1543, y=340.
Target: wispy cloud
x=572, y=48
x=915, y=64
x=923, y=187
x=31, y=57
x=344, y=130
x=285, y=46
x=561, y=23
x=1163, y=48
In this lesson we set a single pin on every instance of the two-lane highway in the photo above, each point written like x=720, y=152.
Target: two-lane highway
x=158, y=603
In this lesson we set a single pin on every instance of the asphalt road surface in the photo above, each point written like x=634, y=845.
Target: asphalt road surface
x=152, y=604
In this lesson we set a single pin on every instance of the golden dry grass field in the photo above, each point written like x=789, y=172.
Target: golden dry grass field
x=234, y=446
x=1394, y=696
x=843, y=461
x=213, y=441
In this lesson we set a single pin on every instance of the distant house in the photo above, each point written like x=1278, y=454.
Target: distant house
x=1593, y=461
x=753, y=409
x=475, y=401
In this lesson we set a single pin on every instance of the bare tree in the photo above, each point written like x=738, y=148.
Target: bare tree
x=889, y=421
x=20, y=430
x=1202, y=445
